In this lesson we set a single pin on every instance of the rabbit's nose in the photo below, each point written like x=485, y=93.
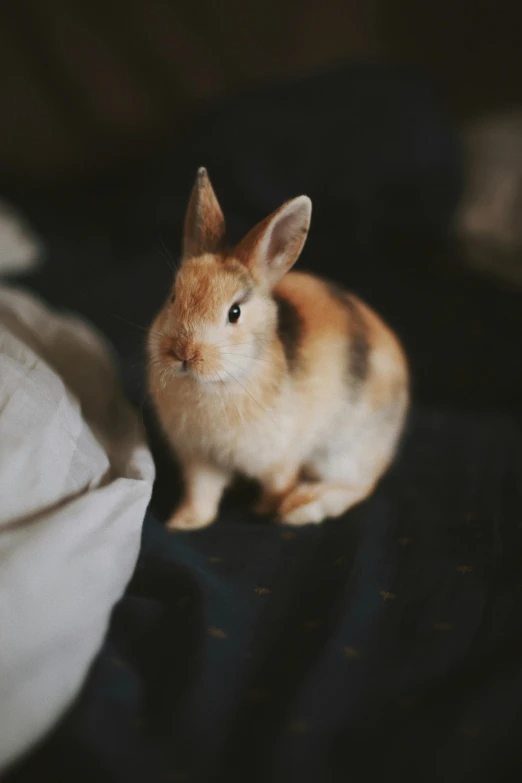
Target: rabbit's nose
x=183, y=352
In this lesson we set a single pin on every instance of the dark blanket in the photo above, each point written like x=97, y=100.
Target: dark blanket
x=384, y=644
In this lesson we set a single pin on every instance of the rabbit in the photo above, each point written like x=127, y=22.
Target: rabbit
x=273, y=375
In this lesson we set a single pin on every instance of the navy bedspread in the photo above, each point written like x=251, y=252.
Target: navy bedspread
x=387, y=644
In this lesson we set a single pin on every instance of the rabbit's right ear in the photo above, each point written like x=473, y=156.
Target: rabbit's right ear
x=272, y=247
x=204, y=222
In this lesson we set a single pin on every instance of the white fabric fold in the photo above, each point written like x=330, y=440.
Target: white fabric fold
x=76, y=476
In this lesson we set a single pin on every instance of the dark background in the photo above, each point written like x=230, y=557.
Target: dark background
x=92, y=86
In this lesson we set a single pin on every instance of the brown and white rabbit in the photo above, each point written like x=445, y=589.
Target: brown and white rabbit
x=278, y=377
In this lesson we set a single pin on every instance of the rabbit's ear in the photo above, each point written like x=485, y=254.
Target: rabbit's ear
x=204, y=222
x=272, y=247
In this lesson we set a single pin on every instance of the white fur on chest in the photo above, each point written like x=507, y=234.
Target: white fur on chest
x=230, y=429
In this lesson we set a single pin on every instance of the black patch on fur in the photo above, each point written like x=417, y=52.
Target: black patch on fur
x=359, y=344
x=289, y=328
x=359, y=365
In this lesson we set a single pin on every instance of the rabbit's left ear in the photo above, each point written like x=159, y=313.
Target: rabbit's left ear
x=204, y=222
x=272, y=247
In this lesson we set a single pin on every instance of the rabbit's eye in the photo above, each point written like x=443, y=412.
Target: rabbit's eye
x=234, y=313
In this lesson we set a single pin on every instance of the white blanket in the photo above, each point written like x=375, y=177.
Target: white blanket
x=75, y=480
